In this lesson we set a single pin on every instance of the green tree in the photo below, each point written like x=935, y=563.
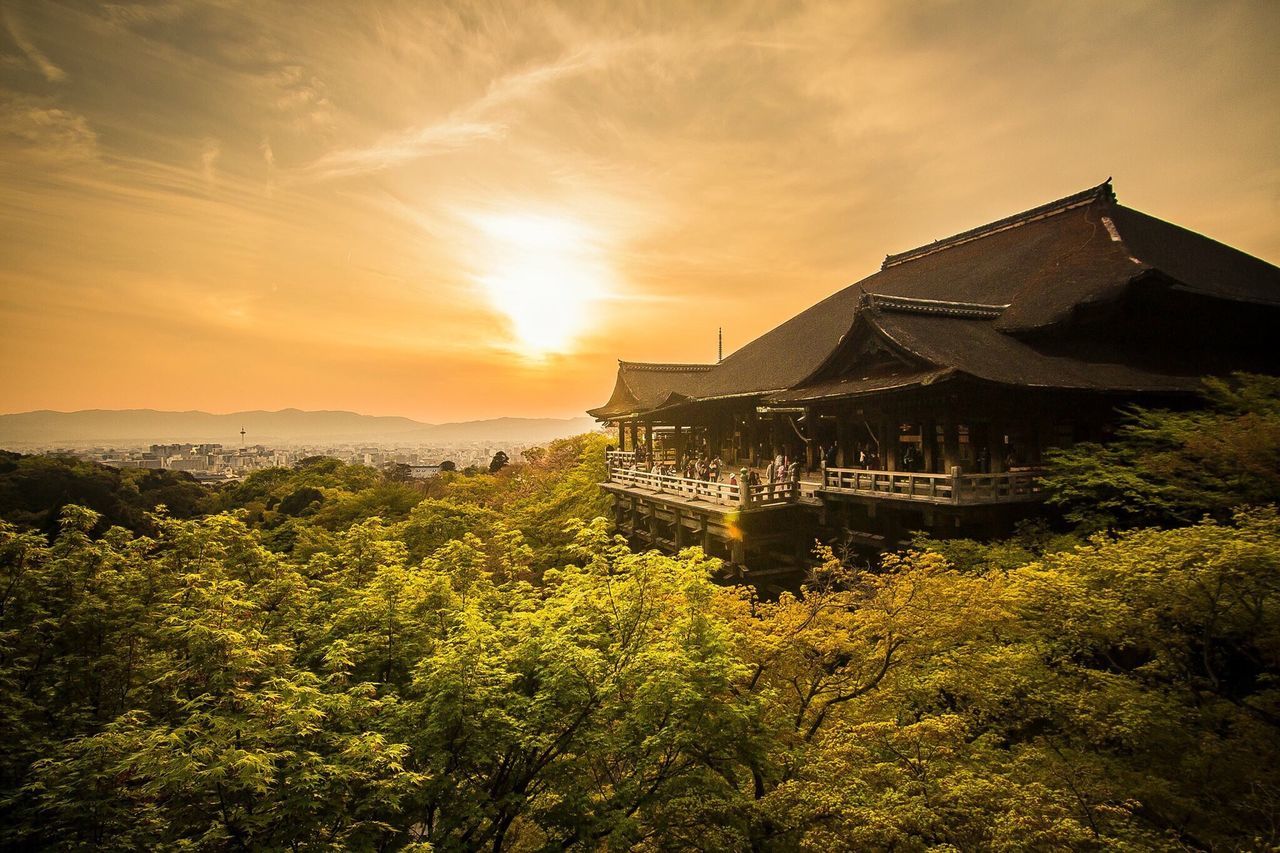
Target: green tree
x=1169, y=468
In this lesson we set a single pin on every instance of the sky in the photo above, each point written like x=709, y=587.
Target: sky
x=452, y=211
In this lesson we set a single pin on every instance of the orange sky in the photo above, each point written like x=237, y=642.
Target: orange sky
x=465, y=210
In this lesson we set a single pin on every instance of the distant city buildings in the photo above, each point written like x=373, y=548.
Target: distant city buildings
x=214, y=463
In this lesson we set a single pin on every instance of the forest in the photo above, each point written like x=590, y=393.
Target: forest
x=332, y=657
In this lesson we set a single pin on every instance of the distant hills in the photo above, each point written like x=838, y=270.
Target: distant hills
x=134, y=427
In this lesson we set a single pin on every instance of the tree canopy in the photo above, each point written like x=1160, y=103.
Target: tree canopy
x=336, y=660
x=1172, y=467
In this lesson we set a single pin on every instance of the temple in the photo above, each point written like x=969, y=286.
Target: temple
x=925, y=396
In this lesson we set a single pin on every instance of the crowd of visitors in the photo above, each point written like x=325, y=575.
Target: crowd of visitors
x=781, y=469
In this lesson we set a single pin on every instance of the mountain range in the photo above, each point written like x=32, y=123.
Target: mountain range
x=132, y=427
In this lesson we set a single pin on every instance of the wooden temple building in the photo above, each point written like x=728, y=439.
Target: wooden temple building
x=925, y=396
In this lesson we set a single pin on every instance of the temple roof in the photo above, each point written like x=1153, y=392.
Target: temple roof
x=979, y=301
x=850, y=386
x=643, y=386
x=978, y=348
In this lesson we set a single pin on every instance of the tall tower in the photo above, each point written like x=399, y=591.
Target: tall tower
x=242, y=438
x=719, y=344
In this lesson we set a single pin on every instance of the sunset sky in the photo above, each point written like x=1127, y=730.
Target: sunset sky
x=465, y=210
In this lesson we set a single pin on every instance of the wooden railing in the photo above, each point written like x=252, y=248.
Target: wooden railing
x=765, y=494
x=616, y=458
x=953, y=488
x=727, y=494
x=711, y=491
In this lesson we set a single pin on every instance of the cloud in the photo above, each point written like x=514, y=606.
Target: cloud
x=42, y=63
x=440, y=138
x=209, y=160
x=142, y=14
x=45, y=130
x=300, y=96
x=463, y=127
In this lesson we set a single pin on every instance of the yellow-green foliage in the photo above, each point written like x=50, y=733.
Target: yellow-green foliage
x=1172, y=467
x=480, y=670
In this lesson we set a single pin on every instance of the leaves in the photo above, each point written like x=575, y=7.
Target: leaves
x=479, y=667
x=1171, y=467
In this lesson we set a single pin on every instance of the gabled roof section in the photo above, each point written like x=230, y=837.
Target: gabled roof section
x=857, y=386
x=976, y=273
x=1102, y=192
x=933, y=307
x=1197, y=263
x=978, y=348
x=641, y=386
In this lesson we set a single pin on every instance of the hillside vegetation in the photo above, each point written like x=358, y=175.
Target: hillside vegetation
x=326, y=658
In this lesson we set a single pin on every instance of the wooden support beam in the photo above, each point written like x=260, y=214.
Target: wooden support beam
x=929, y=445
x=951, y=445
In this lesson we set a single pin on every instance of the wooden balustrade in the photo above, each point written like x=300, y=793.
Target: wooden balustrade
x=954, y=488
x=764, y=494
x=711, y=491
x=721, y=493
x=614, y=458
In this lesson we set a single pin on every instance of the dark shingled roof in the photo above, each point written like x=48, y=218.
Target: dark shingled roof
x=642, y=386
x=975, y=303
x=853, y=386
x=980, y=349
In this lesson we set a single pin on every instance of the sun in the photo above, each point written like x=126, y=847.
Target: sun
x=543, y=273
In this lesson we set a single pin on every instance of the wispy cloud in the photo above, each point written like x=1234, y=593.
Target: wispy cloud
x=209, y=160
x=134, y=14
x=42, y=63
x=45, y=130
x=468, y=125
x=442, y=137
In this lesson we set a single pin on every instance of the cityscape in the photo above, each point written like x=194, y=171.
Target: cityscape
x=215, y=463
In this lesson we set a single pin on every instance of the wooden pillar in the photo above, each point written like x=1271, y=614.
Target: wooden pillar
x=811, y=423
x=995, y=447
x=929, y=445
x=678, y=531
x=648, y=439
x=889, y=444
x=951, y=445
x=843, y=448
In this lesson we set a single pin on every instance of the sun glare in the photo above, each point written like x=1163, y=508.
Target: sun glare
x=544, y=273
